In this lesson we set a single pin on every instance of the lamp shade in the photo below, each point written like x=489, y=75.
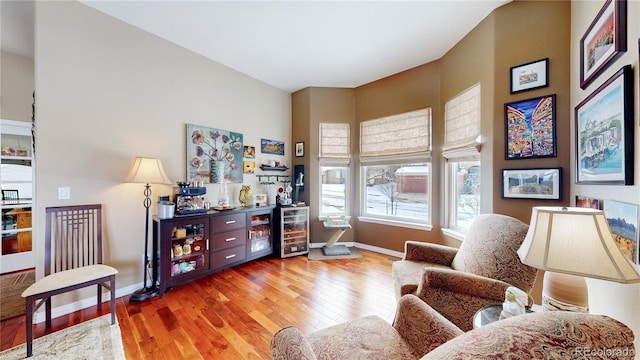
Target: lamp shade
x=147, y=171
x=575, y=241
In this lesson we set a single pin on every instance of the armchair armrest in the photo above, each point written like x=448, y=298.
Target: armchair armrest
x=290, y=343
x=428, y=252
x=462, y=282
x=423, y=328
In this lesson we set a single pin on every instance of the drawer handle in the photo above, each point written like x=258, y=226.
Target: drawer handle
x=229, y=239
x=230, y=256
x=230, y=222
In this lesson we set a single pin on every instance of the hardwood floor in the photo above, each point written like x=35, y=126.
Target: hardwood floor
x=233, y=314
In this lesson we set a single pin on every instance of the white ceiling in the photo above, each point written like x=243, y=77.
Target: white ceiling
x=290, y=44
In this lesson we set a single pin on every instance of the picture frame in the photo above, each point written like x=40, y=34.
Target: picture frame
x=529, y=76
x=271, y=147
x=588, y=202
x=604, y=41
x=623, y=219
x=604, y=132
x=299, y=149
x=530, y=128
x=207, y=146
x=540, y=183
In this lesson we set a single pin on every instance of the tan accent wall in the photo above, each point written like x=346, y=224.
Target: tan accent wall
x=503, y=39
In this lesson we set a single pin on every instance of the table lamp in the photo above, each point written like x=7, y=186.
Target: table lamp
x=574, y=241
x=146, y=171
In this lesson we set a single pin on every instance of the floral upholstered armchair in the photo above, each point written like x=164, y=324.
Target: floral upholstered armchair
x=459, y=282
x=419, y=332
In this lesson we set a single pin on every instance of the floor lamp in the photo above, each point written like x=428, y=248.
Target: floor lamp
x=146, y=171
x=574, y=241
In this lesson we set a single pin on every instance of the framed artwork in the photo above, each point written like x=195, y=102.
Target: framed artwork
x=530, y=76
x=588, y=202
x=530, y=128
x=249, y=152
x=272, y=147
x=248, y=167
x=623, y=221
x=604, y=132
x=206, y=147
x=299, y=149
x=604, y=40
x=544, y=184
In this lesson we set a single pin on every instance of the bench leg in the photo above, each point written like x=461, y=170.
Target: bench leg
x=99, y=297
x=47, y=308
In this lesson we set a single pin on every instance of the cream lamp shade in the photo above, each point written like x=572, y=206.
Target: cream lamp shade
x=575, y=241
x=147, y=171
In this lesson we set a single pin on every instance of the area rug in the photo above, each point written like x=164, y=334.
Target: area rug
x=93, y=339
x=11, y=288
x=316, y=254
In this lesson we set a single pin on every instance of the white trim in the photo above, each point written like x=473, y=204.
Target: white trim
x=399, y=223
x=358, y=245
x=454, y=234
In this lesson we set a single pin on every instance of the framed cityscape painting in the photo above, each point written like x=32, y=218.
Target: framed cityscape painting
x=623, y=221
x=604, y=132
x=530, y=128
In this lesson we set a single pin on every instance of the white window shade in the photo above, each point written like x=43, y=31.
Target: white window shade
x=462, y=124
x=335, y=141
x=397, y=135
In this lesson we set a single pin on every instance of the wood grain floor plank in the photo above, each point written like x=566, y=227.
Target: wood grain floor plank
x=233, y=314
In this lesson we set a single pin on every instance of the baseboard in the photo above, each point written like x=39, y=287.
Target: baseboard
x=363, y=246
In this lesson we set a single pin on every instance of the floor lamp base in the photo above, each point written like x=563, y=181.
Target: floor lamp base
x=144, y=294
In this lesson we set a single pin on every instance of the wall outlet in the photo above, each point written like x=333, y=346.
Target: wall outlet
x=64, y=193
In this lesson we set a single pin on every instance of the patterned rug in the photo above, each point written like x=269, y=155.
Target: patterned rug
x=11, y=288
x=93, y=339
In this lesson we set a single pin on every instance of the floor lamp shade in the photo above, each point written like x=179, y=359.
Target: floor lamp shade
x=147, y=171
x=575, y=241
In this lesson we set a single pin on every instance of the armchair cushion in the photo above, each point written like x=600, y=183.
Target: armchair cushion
x=545, y=335
x=490, y=249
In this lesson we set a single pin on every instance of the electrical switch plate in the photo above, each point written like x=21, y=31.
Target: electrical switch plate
x=64, y=193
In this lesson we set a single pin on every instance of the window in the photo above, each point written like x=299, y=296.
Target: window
x=465, y=193
x=335, y=152
x=395, y=155
x=462, y=159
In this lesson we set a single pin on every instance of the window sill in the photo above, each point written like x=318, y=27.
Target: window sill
x=454, y=234
x=403, y=224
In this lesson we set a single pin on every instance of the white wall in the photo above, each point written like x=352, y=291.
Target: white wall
x=107, y=92
x=613, y=299
x=16, y=87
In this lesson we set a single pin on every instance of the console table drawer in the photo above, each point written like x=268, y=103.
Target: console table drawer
x=229, y=239
x=228, y=256
x=229, y=222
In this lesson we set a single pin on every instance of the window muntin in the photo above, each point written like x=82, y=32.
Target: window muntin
x=397, y=192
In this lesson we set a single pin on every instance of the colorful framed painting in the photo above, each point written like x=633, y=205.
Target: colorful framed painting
x=604, y=132
x=530, y=76
x=543, y=184
x=249, y=152
x=623, y=221
x=530, y=128
x=206, y=147
x=272, y=147
x=588, y=202
x=604, y=41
